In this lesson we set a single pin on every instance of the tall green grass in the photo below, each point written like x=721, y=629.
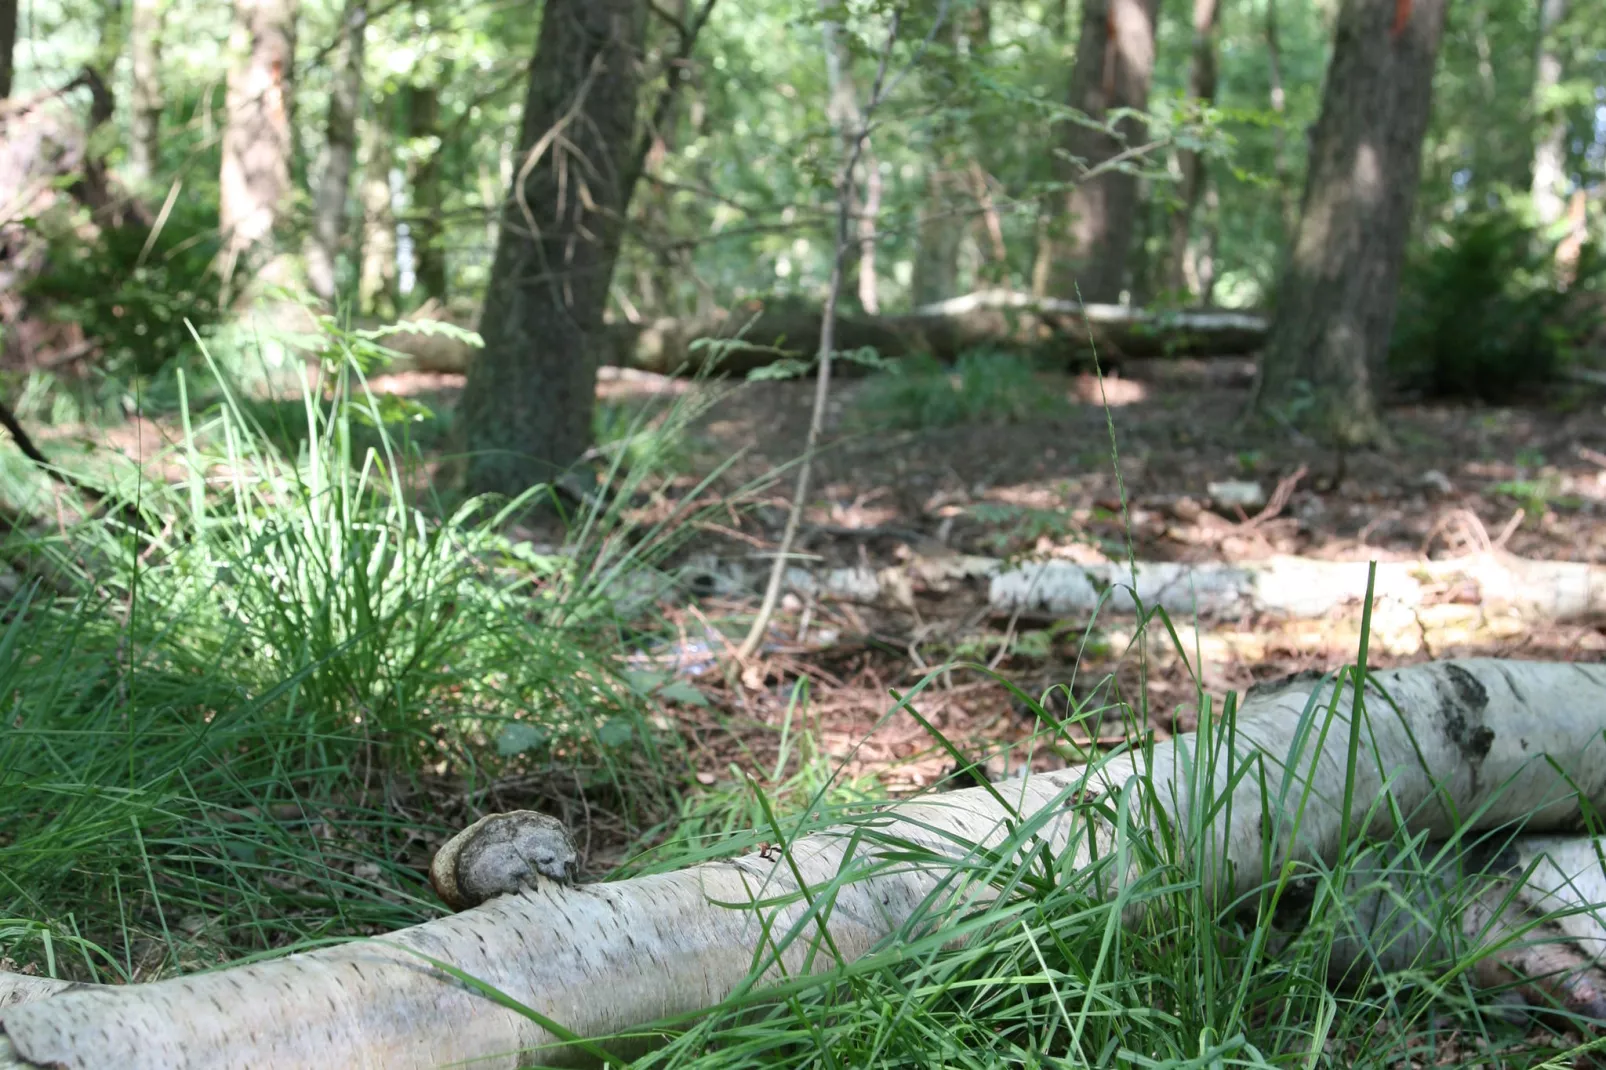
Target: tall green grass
x=1024, y=958
x=240, y=709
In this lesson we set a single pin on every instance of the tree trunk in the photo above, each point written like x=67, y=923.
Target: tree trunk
x=1550, y=150
x=376, y=271
x=329, y=225
x=1201, y=91
x=530, y=393
x=8, y=44
x=1335, y=303
x=424, y=189
x=145, y=104
x=953, y=179
x=936, y=267
x=1449, y=747
x=109, y=44
x=842, y=109
x=1114, y=62
x=1279, y=108
x=254, y=182
x=942, y=232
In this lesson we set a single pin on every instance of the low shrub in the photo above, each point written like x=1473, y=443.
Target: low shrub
x=1483, y=314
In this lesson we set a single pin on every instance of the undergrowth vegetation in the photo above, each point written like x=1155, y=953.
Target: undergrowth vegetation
x=983, y=386
x=1485, y=310
x=244, y=706
x=1023, y=957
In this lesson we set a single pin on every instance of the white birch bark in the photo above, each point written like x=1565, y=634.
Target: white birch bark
x=1297, y=588
x=1478, y=743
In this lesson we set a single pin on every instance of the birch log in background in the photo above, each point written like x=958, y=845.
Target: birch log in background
x=1496, y=742
x=1293, y=587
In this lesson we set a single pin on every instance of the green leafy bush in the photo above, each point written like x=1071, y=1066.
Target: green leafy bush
x=130, y=299
x=1483, y=314
x=982, y=387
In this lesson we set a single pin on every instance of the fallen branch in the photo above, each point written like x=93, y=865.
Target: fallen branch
x=1437, y=748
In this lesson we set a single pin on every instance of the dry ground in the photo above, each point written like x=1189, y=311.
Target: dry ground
x=1529, y=479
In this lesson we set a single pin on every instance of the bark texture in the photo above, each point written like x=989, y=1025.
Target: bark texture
x=254, y=181
x=1293, y=588
x=955, y=184
x=424, y=189
x=8, y=45
x=376, y=270
x=1475, y=744
x=1550, y=148
x=842, y=109
x=1336, y=300
x=528, y=401
x=145, y=103
x=1114, y=64
x=1202, y=92
x=329, y=225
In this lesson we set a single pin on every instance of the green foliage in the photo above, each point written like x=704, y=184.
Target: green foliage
x=984, y=386
x=1021, y=956
x=1481, y=314
x=132, y=292
x=221, y=694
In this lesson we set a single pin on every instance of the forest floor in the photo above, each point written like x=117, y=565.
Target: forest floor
x=1528, y=479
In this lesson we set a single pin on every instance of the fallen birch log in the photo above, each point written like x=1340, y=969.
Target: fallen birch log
x=1539, y=902
x=1479, y=743
x=998, y=319
x=1291, y=587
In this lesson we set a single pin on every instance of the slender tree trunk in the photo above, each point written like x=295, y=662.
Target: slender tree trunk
x=842, y=109
x=1201, y=90
x=936, y=267
x=1279, y=107
x=531, y=391
x=254, y=182
x=329, y=226
x=1550, y=151
x=145, y=104
x=952, y=180
x=1202, y=259
x=1114, y=63
x=376, y=272
x=424, y=189
x=8, y=44
x=1336, y=300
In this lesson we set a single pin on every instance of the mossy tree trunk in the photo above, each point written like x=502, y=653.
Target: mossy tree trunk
x=528, y=401
x=1335, y=303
